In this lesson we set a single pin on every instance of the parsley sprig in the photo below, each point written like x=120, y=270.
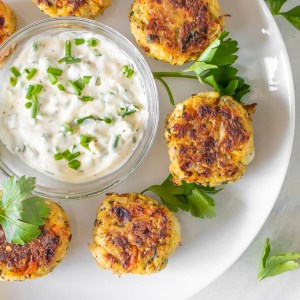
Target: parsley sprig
x=188, y=197
x=293, y=15
x=276, y=264
x=215, y=68
x=21, y=214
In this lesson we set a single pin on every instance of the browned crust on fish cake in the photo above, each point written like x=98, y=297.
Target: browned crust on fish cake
x=134, y=234
x=175, y=31
x=40, y=256
x=79, y=8
x=8, y=22
x=210, y=140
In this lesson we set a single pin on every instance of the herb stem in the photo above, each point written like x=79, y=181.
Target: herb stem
x=167, y=89
x=158, y=75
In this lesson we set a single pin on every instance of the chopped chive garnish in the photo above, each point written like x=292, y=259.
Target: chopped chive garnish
x=85, y=141
x=127, y=71
x=75, y=88
x=66, y=154
x=92, y=42
x=13, y=81
x=27, y=71
x=55, y=71
x=37, y=89
x=80, y=84
x=127, y=111
x=15, y=71
x=91, y=117
x=107, y=120
x=75, y=164
x=62, y=60
x=68, y=49
x=58, y=156
x=28, y=104
x=29, y=92
x=52, y=78
x=71, y=61
x=79, y=42
x=134, y=139
x=35, y=106
x=86, y=79
x=73, y=156
x=60, y=87
x=116, y=142
x=31, y=74
x=82, y=120
x=35, y=46
x=86, y=98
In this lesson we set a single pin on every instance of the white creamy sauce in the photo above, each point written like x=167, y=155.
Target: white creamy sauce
x=39, y=140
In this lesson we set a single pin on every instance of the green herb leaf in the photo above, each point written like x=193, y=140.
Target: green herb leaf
x=35, y=106
x=55, y=71
x=15, y=71
x=293, y=16
x=31, y=74
x=129, y=110
x=20, y=213
x=13, y=81
x=188, y=197
x=127, y=71
x=92, y=42
x=79, y=42
x=91, y=117
x=276, y=264
x=85, y=141
x=75, y=164
x=215, y=68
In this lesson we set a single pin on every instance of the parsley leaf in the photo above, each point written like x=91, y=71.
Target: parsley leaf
x=293, y=15
x=215, y=68
x=276, y=264
x=276, y=5
x=188, y=197
x=20, y=213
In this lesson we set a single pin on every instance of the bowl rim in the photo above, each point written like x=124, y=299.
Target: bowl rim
x=129, y=166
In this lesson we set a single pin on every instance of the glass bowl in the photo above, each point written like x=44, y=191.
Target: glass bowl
x=49, y=187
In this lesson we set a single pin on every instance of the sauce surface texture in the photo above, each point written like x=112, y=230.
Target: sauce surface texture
x=72, y=106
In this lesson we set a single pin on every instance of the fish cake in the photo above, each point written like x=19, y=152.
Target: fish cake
x=210, y=139
x=175, y=31
x=40, y=256
x=78, y=8
x=8, y=22
x=134, y=234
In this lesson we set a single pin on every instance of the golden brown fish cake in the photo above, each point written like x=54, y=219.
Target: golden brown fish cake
x=175, y=31
x=40, y=256
x=78, y=8
x=210, y=139
x=8, y=22
x=134, y=234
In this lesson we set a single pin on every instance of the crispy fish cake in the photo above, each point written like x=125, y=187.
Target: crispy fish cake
x=210, y=139
x=78, y=8
x=40, y=256
x=134, y=234
x=8, y=22
x=175, y=31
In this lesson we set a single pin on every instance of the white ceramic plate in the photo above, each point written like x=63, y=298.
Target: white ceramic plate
x=209, y=247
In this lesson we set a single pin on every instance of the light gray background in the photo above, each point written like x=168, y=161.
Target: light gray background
x=282, y=226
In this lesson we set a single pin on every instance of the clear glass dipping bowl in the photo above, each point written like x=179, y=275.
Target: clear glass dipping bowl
x=48, y=187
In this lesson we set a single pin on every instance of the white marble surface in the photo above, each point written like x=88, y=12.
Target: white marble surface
x=282, y=226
